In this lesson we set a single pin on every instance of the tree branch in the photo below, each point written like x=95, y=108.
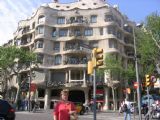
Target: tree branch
x=155, y=40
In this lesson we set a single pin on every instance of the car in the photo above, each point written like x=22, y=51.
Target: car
x=152, y=99
x=6, y=111
x=80, y=108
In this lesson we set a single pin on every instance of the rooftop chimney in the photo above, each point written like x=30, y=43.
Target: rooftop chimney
x=56, y=1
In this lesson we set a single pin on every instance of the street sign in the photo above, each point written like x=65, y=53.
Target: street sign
x=135, y=85
x=157, y=83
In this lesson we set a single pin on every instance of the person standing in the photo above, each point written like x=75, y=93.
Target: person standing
x=126, y=107
x=64, y=109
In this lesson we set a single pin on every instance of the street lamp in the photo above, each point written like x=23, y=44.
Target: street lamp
x=137, y=72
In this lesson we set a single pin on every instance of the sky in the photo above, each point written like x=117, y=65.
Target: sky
x=12, y=11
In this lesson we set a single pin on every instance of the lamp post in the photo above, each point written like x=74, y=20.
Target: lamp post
x=137, y=72
x=137, y=75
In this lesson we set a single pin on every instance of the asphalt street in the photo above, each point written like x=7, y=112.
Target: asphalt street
x=47, y=115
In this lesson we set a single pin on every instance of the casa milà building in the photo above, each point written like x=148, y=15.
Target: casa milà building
x=62, y=35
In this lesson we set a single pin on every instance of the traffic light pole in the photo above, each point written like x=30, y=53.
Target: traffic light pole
x=148, y=98
x=94, y=94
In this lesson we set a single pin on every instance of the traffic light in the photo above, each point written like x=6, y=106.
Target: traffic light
x=97, y=57
x=147, y=80
x=90, y=67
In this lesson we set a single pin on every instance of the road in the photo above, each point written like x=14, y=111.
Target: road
x=47, y=115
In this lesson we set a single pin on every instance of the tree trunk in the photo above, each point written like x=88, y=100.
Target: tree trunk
x=114, y=101
x=5, y=84
x=18, y=90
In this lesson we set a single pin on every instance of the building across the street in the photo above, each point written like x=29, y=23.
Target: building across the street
x=62, y=36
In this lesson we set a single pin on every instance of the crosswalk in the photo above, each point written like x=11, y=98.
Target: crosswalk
x=105, y=116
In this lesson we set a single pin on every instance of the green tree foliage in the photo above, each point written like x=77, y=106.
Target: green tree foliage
x=8, y=56
x=146, y=46
x=152, y=25
x=116, y=66
x=12, y=60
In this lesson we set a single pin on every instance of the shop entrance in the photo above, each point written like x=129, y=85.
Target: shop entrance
x=77, y=96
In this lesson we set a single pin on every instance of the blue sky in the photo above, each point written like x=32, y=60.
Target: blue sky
x=12, y=11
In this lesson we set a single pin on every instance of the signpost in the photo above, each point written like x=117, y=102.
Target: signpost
x=135, y=85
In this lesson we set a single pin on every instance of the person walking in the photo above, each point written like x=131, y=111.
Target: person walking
x=99, y=106
x=64, y=109
x=126, y=108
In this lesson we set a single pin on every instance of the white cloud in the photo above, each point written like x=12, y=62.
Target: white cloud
x=11, y=12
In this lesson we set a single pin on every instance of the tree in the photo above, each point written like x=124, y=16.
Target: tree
x=12, y=60
x=152, y=26
x=114, y=67
x=148, y=51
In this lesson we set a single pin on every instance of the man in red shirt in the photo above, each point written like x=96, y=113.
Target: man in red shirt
x=64, y=108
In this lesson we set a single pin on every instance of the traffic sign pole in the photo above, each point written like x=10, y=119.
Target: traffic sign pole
x=94, y=93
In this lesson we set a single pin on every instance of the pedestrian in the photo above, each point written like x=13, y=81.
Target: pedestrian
x=120, y=108
x=33, y=105
x=1, y=97
x=64, y=109
x=126, y=108
x=19, y=103
x=99, y=106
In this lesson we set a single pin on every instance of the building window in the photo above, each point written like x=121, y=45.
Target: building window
x=49, y=60
x=76, y=75
x=33, y=25
x=101, y=31
x=94, y=44
x=41, y=19
x=63, y=32
x=39, y=44
x=54, y=33
x=58, y=59
x=61, y=20
x=108, y=18
x=18, y=42
x=93, y=18
x=77, y=32
x=40, y=30
x=119, y=35
x=88, y=32
x=112, y=43
x=56, y=47
x=40, y=58
x=79, y=19
x=112, y=30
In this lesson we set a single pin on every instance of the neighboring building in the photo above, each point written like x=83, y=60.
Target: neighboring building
x=60, y=34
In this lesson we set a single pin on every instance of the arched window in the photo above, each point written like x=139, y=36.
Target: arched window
x=41, y=19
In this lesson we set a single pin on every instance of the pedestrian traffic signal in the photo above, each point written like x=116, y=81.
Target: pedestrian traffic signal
x=153, y=79
x=97, y=57
x=90, y=67
x=147, y=80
